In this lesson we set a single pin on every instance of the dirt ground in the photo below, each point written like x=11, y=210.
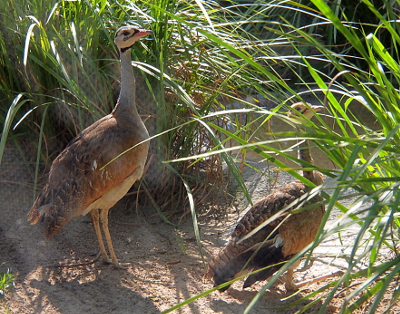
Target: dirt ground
x=165, y=269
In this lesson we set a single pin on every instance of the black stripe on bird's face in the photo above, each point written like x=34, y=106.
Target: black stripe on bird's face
x=128, y=35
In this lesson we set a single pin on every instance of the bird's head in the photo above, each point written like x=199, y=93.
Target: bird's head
x=126, y=36
x=299, y=111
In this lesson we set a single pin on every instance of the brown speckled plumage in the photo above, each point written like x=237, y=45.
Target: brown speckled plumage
x=281, y=238
x=77, y=184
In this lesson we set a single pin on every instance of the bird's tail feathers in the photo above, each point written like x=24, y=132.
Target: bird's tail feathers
x=269, y=255
x=48, y=213
x=225, y=266
x=38, y=213
x=235, y=260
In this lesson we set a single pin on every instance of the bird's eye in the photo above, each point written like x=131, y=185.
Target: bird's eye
x=125, y=33
x=297, y=108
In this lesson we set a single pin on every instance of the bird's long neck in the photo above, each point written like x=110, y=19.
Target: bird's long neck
x=127, y=97
x=305, y=154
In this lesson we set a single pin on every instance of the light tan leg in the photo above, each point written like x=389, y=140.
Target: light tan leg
x=289, y=284
x=104, y=223
x=96, y=225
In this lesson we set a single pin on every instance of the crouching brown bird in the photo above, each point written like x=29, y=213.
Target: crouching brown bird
x=82, y=178
x=281, y=238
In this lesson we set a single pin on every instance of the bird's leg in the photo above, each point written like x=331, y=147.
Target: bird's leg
x=96, y=225
x=289, y=284
x=104, y=223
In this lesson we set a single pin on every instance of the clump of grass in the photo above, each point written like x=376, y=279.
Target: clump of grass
x=6, y=281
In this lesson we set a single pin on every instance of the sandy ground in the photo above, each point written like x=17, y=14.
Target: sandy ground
x=165, y=269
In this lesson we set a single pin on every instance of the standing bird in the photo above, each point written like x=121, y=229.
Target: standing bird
x=281, y=238
x=83, y=178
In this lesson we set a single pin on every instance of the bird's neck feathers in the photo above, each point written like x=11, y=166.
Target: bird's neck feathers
x=127, y=96
x=305, y=154
x=304, y=151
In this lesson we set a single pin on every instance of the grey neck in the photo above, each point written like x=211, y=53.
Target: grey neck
x=127, y=96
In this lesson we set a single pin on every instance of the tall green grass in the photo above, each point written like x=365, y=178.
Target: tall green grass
x=203, y=68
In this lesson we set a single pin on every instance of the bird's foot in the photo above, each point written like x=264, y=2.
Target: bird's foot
x=112, y=261
x=116, y=264
x=291, y=287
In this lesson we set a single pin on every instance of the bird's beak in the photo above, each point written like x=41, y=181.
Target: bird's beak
x=317, y=108
x=143, y=32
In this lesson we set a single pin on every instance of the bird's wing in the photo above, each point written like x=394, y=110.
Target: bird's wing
x=266, y=208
